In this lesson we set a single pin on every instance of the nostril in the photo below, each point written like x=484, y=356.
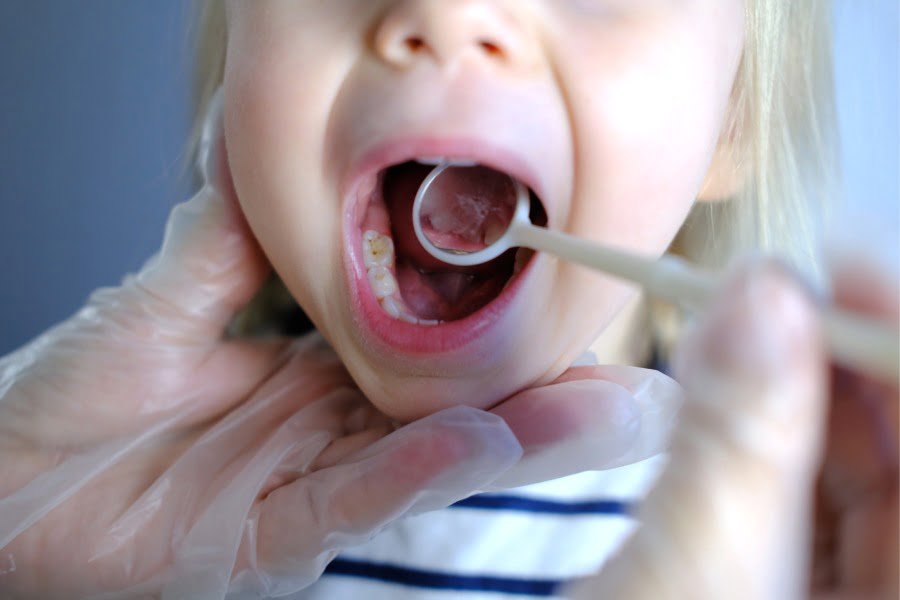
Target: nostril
x=415, y=43
x=490, y=48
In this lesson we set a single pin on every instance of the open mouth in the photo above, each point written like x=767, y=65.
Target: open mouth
x=409, y=284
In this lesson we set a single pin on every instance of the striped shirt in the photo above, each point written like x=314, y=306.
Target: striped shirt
x=523, y=543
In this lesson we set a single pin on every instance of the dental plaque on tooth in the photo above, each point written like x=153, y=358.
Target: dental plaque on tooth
x=470, y=208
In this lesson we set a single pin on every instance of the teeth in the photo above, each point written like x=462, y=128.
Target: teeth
x=438, y=160
x=382, y=282
x=408, y=318
x=378, y=250
x=391, y=306
x=378, y=254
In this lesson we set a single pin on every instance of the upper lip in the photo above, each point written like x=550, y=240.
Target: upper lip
x=402, y=149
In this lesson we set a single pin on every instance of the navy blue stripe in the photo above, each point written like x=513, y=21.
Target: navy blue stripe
x=441, y=581
x=590, y=507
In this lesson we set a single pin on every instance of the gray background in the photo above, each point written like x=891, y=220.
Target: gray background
x=93, y=124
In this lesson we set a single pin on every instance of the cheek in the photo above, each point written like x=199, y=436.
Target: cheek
x=274, y=126
x=646, y=123
x=649, y=119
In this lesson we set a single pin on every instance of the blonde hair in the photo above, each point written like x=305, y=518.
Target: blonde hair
x=778, y=134
x=780, y=131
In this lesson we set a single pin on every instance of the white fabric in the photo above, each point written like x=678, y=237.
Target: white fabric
x=499, y=542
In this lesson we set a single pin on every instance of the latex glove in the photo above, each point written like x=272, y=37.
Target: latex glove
x=778, y=487
x=144, y=453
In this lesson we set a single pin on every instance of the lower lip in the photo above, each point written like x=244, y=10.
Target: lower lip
x=481, y=327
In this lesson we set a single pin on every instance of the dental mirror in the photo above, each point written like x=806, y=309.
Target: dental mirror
x=465, y=214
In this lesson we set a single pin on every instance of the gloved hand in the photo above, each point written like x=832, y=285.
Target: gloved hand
x=144, y=453
x=777, y=486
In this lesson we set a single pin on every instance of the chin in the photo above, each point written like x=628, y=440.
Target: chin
x=410, y=397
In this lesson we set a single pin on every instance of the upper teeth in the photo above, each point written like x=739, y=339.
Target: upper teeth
x=438, y=160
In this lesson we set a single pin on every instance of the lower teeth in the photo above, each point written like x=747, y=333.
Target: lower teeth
x=382, y=282
x=409, y=318
x=378, y=256
x=391, y=306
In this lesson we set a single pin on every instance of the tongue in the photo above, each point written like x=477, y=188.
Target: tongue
x=449, y=295
x=465, y=209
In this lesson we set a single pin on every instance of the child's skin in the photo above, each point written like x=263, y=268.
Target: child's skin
x=614, y=107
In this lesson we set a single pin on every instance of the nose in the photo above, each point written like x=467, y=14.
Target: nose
x=445, y=31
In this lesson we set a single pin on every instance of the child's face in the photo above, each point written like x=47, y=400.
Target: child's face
x=610, y=110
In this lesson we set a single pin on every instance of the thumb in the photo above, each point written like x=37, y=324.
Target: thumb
x=210, y=265
x=591, y=418
x=731, y=515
